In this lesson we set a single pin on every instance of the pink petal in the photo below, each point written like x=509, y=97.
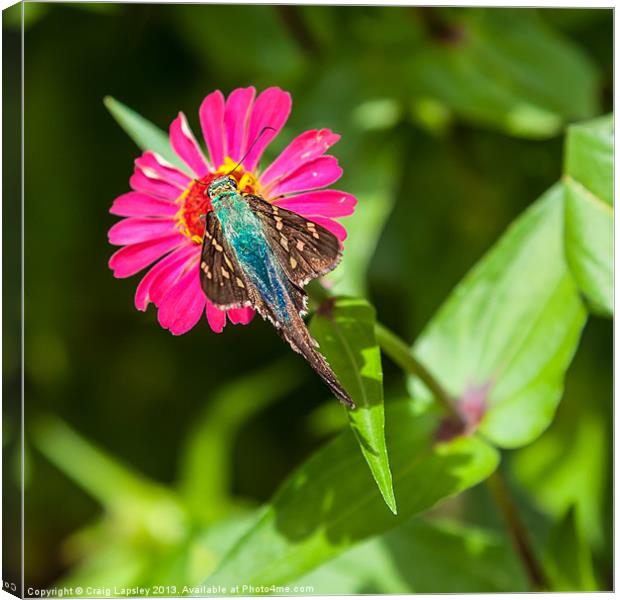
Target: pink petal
x=324, y=203
x=181, y=308
x=336, y=228
x=212, y=122
x=156, y=167
x=163, y=283
x=241, y=315
x=303, y=148
x=236, y=120
x=129, y=260
x=185, y=145
x=134, y=230
x=135, y=204
x=162, y=276
x=315, y=174
x=271, y=109
x=215, y=317
x=155, y=187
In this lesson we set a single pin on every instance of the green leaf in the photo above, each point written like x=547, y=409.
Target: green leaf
x=146, y=135
x=345, y=331
x=219, y=538
x=422, y=556
x=589, y=156
x=567, y=558
x=589, y=218
x=590, y=246
x=507, y=333
x=327, y=505
x=205, y=468
x=187, y=564
x=490, y=72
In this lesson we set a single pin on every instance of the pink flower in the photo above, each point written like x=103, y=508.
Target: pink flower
x=163, y=222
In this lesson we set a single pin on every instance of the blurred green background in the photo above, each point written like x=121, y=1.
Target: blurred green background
x=451, y=123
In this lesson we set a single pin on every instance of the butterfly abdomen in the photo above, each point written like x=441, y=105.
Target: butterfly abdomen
x=301, y=341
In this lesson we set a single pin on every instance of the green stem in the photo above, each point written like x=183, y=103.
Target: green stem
x=518, y=533
x=400, y=353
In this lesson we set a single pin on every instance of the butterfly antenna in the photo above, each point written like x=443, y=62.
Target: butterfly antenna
x=262, y=131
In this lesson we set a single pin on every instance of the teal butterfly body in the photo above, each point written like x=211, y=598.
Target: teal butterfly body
x=257, y=254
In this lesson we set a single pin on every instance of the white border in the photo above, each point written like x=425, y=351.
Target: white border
x=497, y=3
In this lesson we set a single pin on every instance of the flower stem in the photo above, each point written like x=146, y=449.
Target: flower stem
x=518, y=534
x=400, y=353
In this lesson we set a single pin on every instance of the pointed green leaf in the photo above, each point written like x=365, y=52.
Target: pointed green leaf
x=589, y=216
x=327, y=505
x=506, y=335
x=345, y=331
x=145, y=134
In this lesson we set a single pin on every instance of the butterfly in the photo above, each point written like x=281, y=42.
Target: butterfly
x=257, y=254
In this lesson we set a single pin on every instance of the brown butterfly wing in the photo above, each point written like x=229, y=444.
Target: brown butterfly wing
x=221, y=278
x=305, y=249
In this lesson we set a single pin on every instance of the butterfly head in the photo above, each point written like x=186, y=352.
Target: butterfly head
x=222, y=186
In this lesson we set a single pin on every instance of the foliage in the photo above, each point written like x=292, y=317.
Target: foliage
x=345, y=331
x=505, y=337
x=327, y=505
x=221, y=460
x=423, y=556
x=588, y=186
